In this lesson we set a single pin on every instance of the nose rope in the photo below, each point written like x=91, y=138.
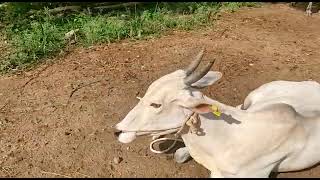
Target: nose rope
x=191, y=122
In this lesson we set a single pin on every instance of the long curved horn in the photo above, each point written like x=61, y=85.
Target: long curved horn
x=198, y=75
x=195, y=63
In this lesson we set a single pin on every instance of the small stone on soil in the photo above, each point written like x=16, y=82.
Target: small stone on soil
x=117, y=160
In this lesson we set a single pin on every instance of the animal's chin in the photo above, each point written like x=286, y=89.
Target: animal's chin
x=127, y=137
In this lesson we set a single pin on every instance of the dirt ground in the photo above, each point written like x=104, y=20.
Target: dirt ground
x=56, y=120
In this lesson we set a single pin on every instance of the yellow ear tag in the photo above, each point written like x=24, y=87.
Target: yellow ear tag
x=215, y=110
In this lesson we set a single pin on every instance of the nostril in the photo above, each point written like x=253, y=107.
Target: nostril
x=117, y=133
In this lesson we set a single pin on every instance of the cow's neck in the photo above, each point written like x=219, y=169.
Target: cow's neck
x=213, y=131
x=228, y=116
x=226, y=109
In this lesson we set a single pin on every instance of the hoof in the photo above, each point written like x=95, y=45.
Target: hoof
x=182, y=155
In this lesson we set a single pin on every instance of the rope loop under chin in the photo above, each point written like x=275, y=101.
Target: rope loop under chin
x=190, y=121
x=163, y=139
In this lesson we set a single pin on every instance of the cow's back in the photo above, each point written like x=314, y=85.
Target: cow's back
x=304, y=96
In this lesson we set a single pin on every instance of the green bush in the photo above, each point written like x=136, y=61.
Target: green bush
x=42, y=34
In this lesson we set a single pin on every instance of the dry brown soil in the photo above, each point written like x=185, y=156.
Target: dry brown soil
x=56, y=120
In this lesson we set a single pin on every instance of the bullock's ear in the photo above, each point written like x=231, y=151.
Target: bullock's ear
x=207, y=80
x=202, y=108
x=194, y=101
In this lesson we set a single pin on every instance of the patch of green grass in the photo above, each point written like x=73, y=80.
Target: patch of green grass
x=233, y=6
x=42, y=35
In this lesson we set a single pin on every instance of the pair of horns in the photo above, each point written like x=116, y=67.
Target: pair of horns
x=192, y=76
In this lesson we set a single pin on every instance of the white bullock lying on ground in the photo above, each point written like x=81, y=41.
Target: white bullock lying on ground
x=267, y=134
x=303, y=96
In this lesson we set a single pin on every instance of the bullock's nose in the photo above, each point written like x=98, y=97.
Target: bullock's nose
x=117, y=133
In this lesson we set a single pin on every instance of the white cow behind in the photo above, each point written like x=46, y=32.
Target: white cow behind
x=270, y=135
x=308, y=9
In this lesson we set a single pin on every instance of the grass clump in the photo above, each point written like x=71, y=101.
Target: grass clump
x=40, y=35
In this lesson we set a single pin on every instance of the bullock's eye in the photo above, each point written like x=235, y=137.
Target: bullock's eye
x=155, y=105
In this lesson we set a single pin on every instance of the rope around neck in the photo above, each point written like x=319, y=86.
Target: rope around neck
x=190, y=121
